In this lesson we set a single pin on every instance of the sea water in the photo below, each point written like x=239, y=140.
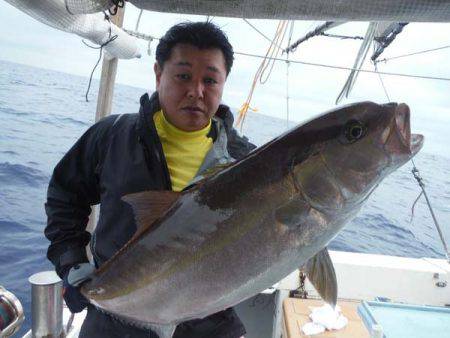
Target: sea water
x=43, y=112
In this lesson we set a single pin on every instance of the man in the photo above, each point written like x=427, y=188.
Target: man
x=179, y=133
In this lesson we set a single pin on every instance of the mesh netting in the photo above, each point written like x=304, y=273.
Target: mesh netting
x=93, y=27
x=87, y=6
x=329, y=10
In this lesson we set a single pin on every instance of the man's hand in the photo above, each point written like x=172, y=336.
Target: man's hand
x=76, y=276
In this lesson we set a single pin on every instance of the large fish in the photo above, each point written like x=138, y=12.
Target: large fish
x=245, y=227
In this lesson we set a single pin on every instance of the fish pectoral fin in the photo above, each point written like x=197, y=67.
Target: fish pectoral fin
x=321, y=274
x=148, y=206
x=293, y=214
x=163, y=330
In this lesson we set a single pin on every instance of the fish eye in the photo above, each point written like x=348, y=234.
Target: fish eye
x=353, y=131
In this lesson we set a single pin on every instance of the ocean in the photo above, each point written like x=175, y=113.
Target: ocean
x=43, y=112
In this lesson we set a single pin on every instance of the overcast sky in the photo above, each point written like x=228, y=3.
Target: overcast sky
x=312, y=89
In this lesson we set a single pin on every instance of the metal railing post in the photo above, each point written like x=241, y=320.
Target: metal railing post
x=46, y=305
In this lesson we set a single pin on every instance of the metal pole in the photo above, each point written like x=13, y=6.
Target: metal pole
x=46, y=305
x=104, y=99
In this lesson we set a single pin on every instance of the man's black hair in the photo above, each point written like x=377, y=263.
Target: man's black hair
x=203, y=35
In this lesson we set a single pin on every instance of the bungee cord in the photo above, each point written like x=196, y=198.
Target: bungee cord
x=109, y=40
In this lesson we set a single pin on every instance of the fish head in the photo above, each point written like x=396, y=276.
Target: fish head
x=370, y=141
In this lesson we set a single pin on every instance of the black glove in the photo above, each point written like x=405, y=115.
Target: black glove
x=72, y=281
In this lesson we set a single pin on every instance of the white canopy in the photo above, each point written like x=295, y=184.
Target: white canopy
x=328, y=10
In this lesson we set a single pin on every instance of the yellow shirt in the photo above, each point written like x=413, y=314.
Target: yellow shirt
x=184, y=151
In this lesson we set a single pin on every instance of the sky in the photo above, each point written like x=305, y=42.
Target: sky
x=312, y=90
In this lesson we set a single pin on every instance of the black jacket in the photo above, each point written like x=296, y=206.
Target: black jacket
x=119, y=155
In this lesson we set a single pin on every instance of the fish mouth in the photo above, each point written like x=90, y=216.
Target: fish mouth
x=402, y=123
x=412, y=142
x=416, y=143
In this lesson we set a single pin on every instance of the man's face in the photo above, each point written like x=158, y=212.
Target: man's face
x=190, y=86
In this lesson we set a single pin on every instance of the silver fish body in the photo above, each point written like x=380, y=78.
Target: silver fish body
x=246, y=227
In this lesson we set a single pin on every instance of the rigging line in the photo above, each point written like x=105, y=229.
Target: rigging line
x=414, y=206
x=291, y=31
x=415, y=53
x=280, y=38
x=347, y=68
x=382, y=83
x=343, y=37
x=246, y=105
x=327, y=25
x=385, y=40
x=263, y=35
x=419, y=180
x=138, y=20
x=110, y=39
x=138, y=35
x=117, y=4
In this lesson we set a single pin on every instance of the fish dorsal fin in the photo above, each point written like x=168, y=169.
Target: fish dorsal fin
x=321, y=274
x=148, y=206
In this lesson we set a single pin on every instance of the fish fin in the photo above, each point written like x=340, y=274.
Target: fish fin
x=163, y=330
x=293, y=214
x=148, y=206
x=321, y=274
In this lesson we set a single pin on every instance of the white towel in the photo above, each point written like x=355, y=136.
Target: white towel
x=325, y=317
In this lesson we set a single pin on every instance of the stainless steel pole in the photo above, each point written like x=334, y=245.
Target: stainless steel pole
x=46, y=305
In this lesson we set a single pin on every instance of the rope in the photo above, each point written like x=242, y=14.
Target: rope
x=348, y=68
x=287, y=74
x=414, y=205
x=414, y=53
x=139, y=35
x=271, y=54
x=138, y=20
x=315, y=32
x=419, y=180
x=148, y=37
x=382, y=83
x=385, y=41
x=117, y=4
x=343, y=37
x=279, y=38
x=110, y=39
x=261, y=33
